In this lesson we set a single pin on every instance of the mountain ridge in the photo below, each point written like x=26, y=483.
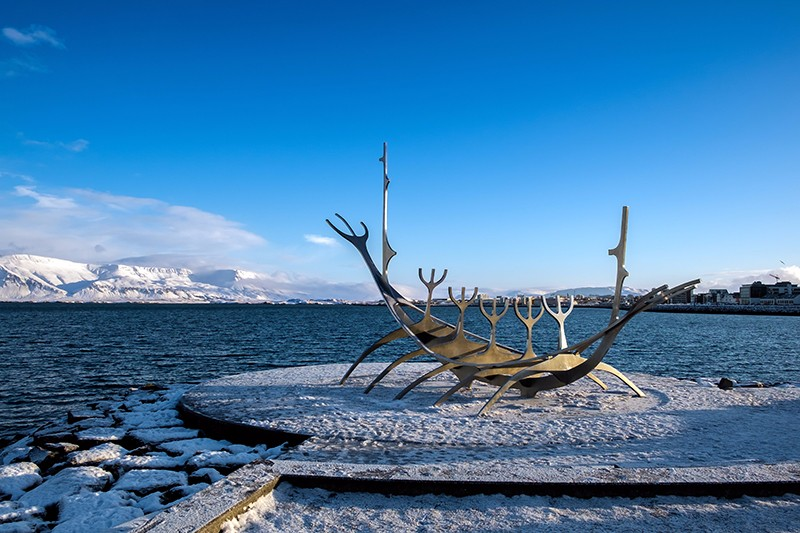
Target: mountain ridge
x=25, y=277
x=33, y=278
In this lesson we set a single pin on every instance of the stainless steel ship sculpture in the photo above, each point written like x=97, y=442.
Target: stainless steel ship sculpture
x=472, y=357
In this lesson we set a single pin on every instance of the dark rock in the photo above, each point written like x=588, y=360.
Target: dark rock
x=94, y=436
x=6, y=441
x=205, y=475
x=60, y=447
x=726, y=384
x=141, y=449
x=77, y=416
x=172, y=495
x=132, y=443
x=226, y=469
x=43, y=458
x=54, y=433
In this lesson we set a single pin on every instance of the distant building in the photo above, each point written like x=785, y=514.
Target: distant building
x=781, y=293
x=720, y=296
x=682, y=298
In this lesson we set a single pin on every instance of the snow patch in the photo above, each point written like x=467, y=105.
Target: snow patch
x=96, y=455
x=190, y=447
x=17, y=478
x=159, y=435
x=66, y=483
x=145, y=481
x=152, y=460
x=90, y=512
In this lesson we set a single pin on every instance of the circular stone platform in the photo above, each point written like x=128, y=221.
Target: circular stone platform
x=682, y=431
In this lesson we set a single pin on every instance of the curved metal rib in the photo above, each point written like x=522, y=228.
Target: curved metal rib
x=394, y=364
x=559, y=378
x=426, y=326
x=399, y=333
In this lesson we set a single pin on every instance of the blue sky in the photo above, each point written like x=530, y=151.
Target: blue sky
x=223, y=134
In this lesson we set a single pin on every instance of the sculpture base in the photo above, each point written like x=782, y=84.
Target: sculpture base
x=681, y=432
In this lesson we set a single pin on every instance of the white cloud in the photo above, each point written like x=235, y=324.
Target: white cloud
x=32, y=36
x=734, y=279
x=46, y=201
x=88, y=226
x=319, y=239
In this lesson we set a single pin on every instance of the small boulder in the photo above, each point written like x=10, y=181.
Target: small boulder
x=67, y=482
x=96, y=455
x=61, y=447
x=166, y=434
x=76, y=416
x=12, y=514
x=726, y=384
x=146, y=481
x=95, y=511
x=179, y=493
x=102, y=434
x=16, y=451
x=17, y=478
x=205, y=475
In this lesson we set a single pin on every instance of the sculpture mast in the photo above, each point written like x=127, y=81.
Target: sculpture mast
x=388, y=252
x=622, y=273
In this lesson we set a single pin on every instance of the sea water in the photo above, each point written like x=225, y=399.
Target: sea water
x=57, y=357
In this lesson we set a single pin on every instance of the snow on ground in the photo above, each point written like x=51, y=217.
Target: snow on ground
x=681, y=425
x=115, y=465
x=681, y=431
x=288, y=508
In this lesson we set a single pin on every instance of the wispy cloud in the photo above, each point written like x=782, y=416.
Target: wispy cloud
x=28, y=62
x=46, y=201
x=16, y=175
x=19, y=66
x=76, y=146
x=32, y=36
x=319, y=239
x=90, y=226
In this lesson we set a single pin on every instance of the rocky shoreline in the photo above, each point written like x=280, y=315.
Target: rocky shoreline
x=112, y=466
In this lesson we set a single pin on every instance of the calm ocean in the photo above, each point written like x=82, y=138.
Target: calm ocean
x=56, y=357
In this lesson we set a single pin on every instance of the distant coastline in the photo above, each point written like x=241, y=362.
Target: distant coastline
x=733, y=309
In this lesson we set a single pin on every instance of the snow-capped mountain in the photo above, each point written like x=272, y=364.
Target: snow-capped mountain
x=582, y=291
x=600, y=291
x=36, y=278
x=32, y=278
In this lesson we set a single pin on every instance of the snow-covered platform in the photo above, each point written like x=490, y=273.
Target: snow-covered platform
x=682, y=434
